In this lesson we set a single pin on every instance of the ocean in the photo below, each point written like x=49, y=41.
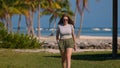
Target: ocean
x=89, y=31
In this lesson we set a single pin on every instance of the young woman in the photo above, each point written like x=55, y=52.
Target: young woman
x=66, y=39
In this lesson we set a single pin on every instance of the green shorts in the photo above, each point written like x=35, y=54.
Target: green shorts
x=65, y=43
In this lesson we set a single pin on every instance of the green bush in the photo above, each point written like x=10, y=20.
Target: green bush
x=3, y=33
x=20, y=41
x=17, y=41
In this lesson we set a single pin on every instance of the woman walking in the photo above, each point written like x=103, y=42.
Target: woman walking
x=66, y=39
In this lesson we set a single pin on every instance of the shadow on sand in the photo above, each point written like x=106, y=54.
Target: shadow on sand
x=91, y=57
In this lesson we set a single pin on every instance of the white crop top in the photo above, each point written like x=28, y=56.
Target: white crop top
x=65, y=31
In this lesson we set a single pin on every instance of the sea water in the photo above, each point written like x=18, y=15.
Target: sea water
x=90, y=31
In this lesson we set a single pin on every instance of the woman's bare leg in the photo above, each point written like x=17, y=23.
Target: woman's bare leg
x=68, y=57
x=63, y=56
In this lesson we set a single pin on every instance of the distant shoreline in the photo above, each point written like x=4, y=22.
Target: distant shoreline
x=81, y=37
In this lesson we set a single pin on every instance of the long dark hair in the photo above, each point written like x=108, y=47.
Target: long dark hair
x=69, y=20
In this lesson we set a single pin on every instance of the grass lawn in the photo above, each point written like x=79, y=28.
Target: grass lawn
x=12, y=59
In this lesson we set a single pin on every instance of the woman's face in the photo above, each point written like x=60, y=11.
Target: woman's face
x=65, y=20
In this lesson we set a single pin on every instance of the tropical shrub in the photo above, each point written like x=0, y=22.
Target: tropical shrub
x=17, y=41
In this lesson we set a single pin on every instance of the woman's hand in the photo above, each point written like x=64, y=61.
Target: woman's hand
x=75, y=47
x=57, y=41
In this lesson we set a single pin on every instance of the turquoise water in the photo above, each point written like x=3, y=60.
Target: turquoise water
x=90, y=31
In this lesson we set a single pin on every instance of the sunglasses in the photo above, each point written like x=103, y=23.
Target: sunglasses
x=65, y=19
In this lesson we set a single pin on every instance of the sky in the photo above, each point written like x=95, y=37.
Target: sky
x=100, y=15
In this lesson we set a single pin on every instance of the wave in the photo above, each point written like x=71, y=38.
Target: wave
x=38, y=29
x=52, y=29
x=46, y=29
x=102, y=29
x=96, y=29
x=107, y=29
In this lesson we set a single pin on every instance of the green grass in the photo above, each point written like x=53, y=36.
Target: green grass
x=12, y=59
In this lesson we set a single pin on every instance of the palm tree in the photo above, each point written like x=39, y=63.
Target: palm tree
x=115, y=22
x=31, y=16
x=23, y=7
x=8, y=8
x=40, y=3
x=28, y=11
x=19, y=6
x=56, y=9
x=81, y=6
x=50, y=9
x=39, y=7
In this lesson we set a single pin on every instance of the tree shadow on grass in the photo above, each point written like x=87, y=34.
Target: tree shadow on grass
x=95, y=57
x=91, y=57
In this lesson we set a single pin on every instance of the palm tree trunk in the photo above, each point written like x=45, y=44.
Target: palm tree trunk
x=19, y=21
x=115, y=22
x=31, y=24
x=75, y=16
x=10, y=21
x=39, y=33
x=6, y=20
x=53, y=28
x=28, y=26
x=81, y=22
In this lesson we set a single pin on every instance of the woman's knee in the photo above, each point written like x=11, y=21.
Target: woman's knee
x=69, y=53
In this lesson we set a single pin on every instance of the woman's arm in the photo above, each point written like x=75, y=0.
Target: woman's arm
x=74, y=39
x=73, y=36
x=57, y=35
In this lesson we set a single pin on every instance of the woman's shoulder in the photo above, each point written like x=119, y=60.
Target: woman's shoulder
x=59, y=25
x=70, y=25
